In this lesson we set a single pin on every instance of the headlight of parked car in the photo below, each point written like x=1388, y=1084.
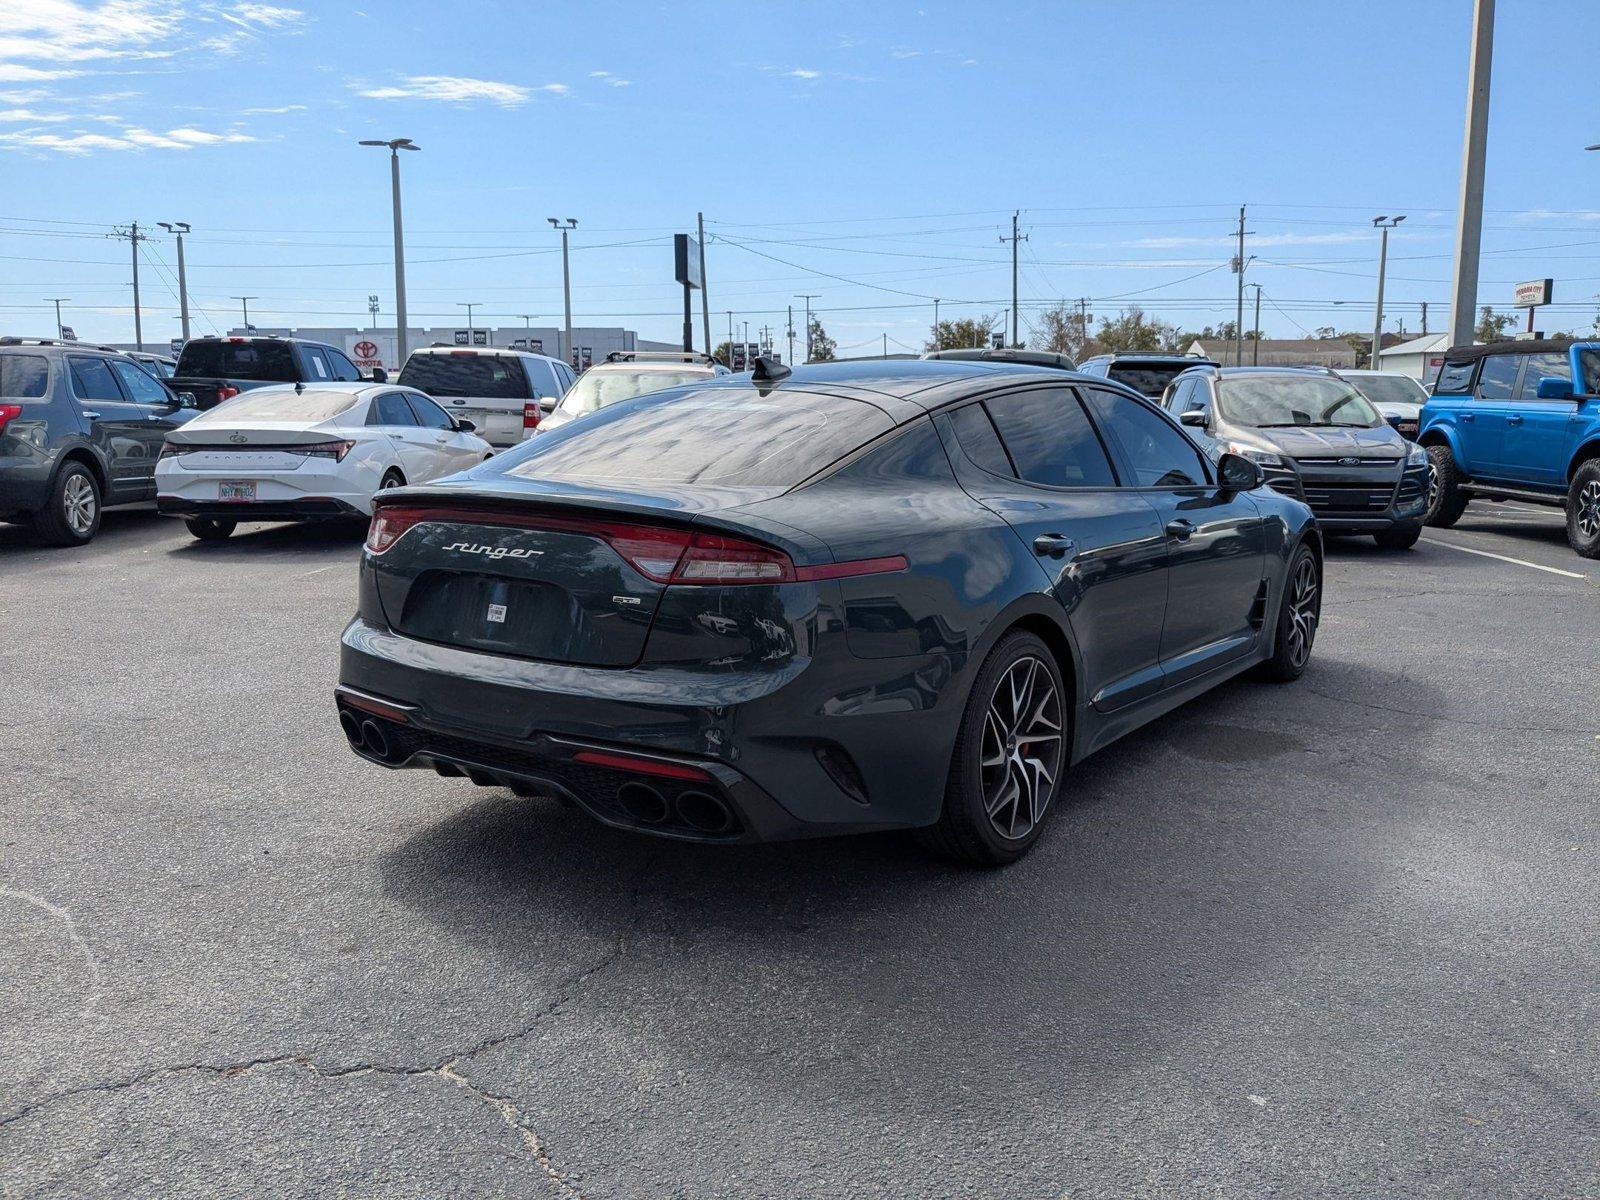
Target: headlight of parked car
x=1263, y=458
x=1416, y=456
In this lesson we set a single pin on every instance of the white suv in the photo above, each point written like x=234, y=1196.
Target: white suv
x=629, y=373
x=503, y=392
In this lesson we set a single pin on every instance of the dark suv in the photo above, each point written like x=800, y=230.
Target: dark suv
x=1316, y=437
x=214, y=369
x=1146, y=373
x=81, y=427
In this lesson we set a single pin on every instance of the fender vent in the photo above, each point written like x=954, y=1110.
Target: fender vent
x=1258, y=606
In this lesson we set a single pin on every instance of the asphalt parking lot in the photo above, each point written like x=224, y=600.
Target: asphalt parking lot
x=1339, y=937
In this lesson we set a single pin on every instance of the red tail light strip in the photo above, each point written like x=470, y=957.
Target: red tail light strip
x=642, y=766
x=660, y=553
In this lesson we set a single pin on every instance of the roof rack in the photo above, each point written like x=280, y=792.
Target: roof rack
x=1037, y=358
x=694, y=356
x=15, y=340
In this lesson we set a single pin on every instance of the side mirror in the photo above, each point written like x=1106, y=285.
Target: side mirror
x=187, y=400
x=1554, y=387
x=379, y=375
x=547, y=404
x=1195, y=416
x=463, y=426
x=1237, y=473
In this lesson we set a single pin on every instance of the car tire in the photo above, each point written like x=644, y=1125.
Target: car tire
x=997, y=797
x=1583, y=509
x=391, y=479
x=1299, y=614
x=1400, y=537
x=1446, y=500
x=210, y=529
x=71, y=516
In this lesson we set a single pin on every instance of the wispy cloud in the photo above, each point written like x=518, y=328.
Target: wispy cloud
x=17, y=73
x=610, y=80
x=13, y=116
x=129, y=139
x=904, y=52
x=459, y=89
x=64, y=31
x=274, y=111
x=802, y=73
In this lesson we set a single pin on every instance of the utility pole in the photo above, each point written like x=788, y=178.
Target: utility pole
x=747, y=341
x=178, y=229
x=790, y=328
x=936, y=323
x=1384, y=224
x=808, y=300
x=1015, y=239
x=134, y=237
x=1255, y=348
x=886, y=345
x=396, y=145
x=1238, y=316
x=245, y=302
x=469, y=307
x=566, y=278
x=58, y=301
x=372, y=308
x=1424, y=318
x=705, y=298
x=730, y=341
x=1083, y=320
x=1474, y=148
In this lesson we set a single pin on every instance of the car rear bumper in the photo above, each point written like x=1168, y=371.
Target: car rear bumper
x=303, y=509
x=787, y=761
x=283, y=495
x=499, y=427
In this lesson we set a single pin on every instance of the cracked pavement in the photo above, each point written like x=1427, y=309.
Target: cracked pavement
x=1339, y=938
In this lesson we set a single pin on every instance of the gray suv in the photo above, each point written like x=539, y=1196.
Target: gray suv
x=81, y=428
x=1315, y=437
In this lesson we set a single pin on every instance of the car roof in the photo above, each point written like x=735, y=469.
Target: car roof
x=331, y=386
x=1005, y=354
x=1152, y=357
x=658, y=365
x=1530, y=346
x=447, y=348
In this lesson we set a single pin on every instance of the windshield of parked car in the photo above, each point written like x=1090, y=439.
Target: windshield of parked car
x=602, y=386
x=712, y=436
x=1390, y=389
x=269, y=361
x=1275, y=401
x=277, y=404
x=485, y=376
x=1149, y=379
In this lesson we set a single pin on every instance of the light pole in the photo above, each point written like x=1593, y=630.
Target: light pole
x=178, y=229
x=245, y=302
x=469, y=306
x=58, y=301
x=396, y=145
x=1384, y=224
x=1474, y=150
x=570, y=224
x=936, y=345
x=808, y=299
x=1255, y=346
x=730, y=341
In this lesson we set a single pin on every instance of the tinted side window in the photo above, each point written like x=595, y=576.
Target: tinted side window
x=1590, y=361
x=24, y=376
x=343, y=368
x=1159, y=455
x=1498, y=376
x=429, y=413
x=978, y=439
x=1050, y=439
x=92, y=379
x=139, y=383
x=391, y=409
x=1540, y=365
x=317, y=363
x=544, y=379
x=1455, y=378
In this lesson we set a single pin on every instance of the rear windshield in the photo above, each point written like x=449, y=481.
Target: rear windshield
x=489, y=376
x=1149, y=380
x=717, y=436
x=602, y=386
x=278, y=404
x=24, y=376
x=1390, y=389
x=271, y=361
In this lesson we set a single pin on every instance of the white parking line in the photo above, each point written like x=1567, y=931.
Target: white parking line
x=1521, y=562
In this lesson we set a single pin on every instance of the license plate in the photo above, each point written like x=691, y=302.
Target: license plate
x=1407, y=427
x=236, y=491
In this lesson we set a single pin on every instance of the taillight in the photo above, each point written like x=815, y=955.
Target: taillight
x=172, y=449
x=226, y=393
x=388, y=523
x=9, y=413
x=712, y=558
x=530, y=416
x=333, y=450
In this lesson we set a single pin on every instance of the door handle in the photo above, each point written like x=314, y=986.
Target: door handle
x=1514, y=420
x=1181, y=529
x=1053, y=545
x=441, y=440
x=91, y=414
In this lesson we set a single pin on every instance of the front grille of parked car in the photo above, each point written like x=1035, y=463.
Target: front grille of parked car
x=1348, y=497
x=1412, y=485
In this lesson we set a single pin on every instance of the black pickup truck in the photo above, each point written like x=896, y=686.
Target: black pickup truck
x=214, y=369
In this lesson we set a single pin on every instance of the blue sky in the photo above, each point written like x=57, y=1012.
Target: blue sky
x=870, y=153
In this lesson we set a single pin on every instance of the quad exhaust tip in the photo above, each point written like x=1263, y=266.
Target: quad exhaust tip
x=374, y=740
x=705, y=812
x=351, y=727
x=643, y=803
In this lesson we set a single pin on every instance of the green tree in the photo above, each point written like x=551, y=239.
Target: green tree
x=724, y=354
x=1492, y=326
x=822, y=346
x=961, y=335
x=1131, y=330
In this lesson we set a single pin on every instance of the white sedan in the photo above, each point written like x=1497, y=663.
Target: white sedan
x=288, y=453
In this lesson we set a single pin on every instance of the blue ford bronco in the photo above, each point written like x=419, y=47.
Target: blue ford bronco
x=1517, y=421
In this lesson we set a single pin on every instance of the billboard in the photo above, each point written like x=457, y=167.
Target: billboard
x=686, y=260
x=1534, y=293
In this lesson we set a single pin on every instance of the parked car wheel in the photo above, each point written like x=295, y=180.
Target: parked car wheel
x=1299, y=614
x=210, y=529
x=1010, y=754
x=1583, y=510
x=391, y=479
x=1401, y=537
x=1446, y=500
x=71, y=516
